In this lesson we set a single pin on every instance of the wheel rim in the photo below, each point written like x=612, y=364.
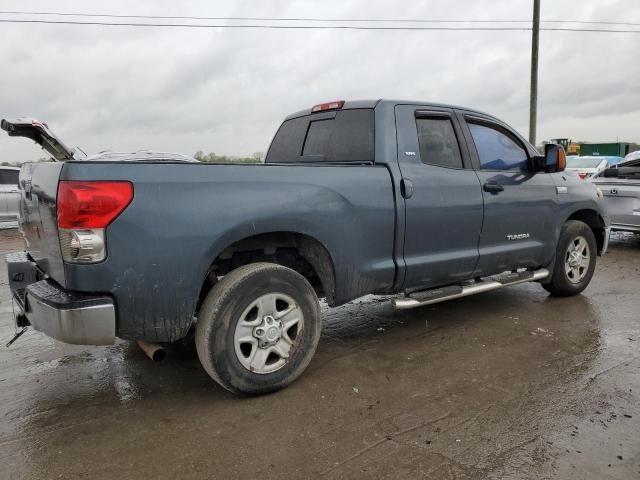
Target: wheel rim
x=577, y=259
x=267, y=332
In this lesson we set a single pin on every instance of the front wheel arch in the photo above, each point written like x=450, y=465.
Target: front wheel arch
x=559, y=282
x=595, y=222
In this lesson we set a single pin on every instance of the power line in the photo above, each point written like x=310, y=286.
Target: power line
x=267, y=26
x=313, y=27
x=309, y=19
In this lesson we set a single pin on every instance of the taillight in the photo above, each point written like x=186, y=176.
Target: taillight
x=84, y=210
x=323, y=107
x=91, y=204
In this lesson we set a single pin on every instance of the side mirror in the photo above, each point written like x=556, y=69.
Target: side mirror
x=554, y=160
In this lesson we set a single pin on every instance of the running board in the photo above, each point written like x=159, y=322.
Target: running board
x=429, y=297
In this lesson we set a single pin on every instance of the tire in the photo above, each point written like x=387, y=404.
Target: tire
x=572, y=273
x=251, y=300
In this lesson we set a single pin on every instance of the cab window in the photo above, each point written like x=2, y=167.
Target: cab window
x=497, y=150
x=438, y=142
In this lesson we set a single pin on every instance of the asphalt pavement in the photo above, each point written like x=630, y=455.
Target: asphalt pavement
x=509, y=384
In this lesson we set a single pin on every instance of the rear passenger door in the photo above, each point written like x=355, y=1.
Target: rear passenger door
x=442, y=197
x=519, y=204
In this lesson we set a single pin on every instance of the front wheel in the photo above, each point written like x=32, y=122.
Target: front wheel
x=575, y=260
x=258, y=328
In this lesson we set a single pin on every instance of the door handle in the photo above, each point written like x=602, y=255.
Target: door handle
x=492, y=187
x=406, y=188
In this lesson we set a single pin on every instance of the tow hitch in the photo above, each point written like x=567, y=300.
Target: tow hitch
x=22, y=322
x=18, y=334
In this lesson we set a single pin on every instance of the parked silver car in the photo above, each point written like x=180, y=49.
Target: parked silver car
x=9, y=193
x=590, y=166
x=620, y=186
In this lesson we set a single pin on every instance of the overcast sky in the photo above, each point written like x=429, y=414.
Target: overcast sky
x=182, y=90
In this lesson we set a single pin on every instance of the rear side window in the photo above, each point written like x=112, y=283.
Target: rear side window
x=438, y=142
x=497, y=150
x=346, y=137
x=9, y=177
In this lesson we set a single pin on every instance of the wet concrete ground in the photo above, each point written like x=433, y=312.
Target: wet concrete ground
x=509, y=384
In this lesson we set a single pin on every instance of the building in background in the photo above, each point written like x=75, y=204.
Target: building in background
x=618, y=149
x=611, y=149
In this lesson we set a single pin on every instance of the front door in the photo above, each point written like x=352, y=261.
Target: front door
x=442, y=198
x=519, y=204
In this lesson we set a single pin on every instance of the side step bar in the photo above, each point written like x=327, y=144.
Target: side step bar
x=429, y=297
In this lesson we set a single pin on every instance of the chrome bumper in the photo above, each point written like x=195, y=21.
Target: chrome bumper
x=69, y=317
x=80, y=325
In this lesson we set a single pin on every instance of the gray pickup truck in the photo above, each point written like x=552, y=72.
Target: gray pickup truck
x=430, y=202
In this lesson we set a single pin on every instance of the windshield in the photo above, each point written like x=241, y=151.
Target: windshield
x=583, y=162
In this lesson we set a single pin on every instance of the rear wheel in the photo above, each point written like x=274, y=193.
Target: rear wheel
x=575, y=260
x=258, y=328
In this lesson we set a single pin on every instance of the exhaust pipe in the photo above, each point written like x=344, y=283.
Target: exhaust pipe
x=155, y=352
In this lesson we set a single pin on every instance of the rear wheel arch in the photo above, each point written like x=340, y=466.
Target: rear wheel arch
x=246, y=341
x=302, y=253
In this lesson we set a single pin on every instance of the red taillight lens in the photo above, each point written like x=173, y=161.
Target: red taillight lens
x=91, y=204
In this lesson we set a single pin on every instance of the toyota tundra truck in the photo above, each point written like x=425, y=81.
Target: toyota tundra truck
x=425, y=202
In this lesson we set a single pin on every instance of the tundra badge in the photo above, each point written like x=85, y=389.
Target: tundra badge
x=518, y=236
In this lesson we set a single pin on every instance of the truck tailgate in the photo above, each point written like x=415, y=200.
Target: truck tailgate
x=39, y=189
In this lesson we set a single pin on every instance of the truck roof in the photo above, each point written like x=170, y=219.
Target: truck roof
x=352, y=104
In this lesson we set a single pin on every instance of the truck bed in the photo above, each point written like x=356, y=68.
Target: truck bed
x=184, y=215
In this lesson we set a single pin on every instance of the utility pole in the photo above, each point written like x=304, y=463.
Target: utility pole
x=533, y=98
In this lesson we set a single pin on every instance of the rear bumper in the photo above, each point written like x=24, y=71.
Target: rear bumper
x=70, y=317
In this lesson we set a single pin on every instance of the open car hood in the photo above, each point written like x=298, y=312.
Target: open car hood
x=38, y=132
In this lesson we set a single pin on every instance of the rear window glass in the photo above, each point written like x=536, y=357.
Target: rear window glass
x=347, y=137
x=9, y=177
